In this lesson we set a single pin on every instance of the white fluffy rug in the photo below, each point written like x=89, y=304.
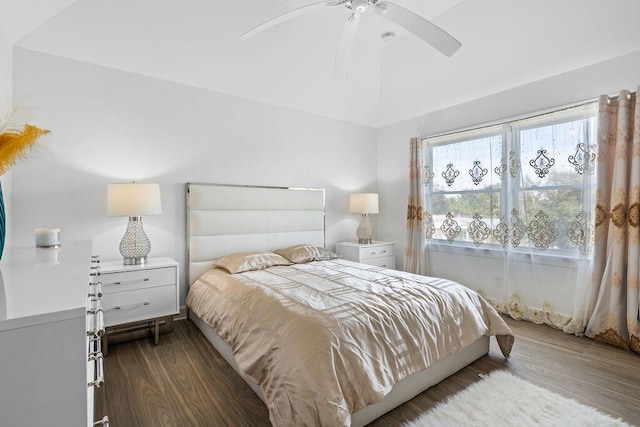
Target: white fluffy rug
x=501, y=399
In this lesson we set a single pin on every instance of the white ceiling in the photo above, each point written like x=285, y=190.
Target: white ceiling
x=506, y=43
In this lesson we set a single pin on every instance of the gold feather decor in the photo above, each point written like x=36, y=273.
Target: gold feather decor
x=16, y=136
x=15, y=141
x=14, y=144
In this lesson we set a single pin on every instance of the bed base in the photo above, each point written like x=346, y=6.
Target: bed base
x=403, y=391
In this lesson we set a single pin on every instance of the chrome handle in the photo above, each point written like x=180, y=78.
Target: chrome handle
x=97, y=349
x=95, y=259
x=98, y=328
x=120, y=307
x=103, y=422
x=123, y=282
x=99, y=376
x=375, y=253
x=98, y=291
x=95, y=271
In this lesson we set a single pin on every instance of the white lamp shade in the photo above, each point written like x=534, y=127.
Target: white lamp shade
x=133, y=199
x=364, y=203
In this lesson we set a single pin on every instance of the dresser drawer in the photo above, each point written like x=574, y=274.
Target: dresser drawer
x=385, y=261
x=369, y=252
x=139, y=304
x=137, y=279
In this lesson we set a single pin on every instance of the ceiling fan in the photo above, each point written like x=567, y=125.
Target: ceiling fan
x=426, y=30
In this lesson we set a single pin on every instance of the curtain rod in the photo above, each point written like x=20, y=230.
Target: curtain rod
x=629, y=95
x=523, y=117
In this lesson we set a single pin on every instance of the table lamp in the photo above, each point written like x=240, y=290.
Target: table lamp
x=365, y=204
x=134, y=200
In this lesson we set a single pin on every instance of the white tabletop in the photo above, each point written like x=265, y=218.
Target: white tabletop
x=40, y=285
x=118, y=266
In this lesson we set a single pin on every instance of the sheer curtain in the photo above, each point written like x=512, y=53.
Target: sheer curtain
x=551, y=216
x=509, y=213
x=615, y=313
x=414, y=254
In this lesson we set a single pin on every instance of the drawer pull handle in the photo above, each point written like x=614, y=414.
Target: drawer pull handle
x=95, y=271
x=97, y=349
x=103, y=422
x=120, y=307
x=99, y=378
x=122, y=282
x=97, y=315
x=95, y=259
x=97, y=293
x=375, y=253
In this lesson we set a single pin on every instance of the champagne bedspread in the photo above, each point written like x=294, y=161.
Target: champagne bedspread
x=327, y=338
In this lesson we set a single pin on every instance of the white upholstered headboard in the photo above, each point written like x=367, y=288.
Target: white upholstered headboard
x=223, y=219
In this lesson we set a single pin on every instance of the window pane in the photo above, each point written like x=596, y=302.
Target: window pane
x=560, y=208
x=463, y=207
x=550, y=149
x=461, y=156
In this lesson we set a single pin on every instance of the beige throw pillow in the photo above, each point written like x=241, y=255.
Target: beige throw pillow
x=249, y=261
x=299, y=254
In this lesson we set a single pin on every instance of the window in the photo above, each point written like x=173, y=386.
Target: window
x=520, y=185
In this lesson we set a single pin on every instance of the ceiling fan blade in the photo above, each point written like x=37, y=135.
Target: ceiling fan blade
x=426, y=30
x=289, y=15
x=347, y=36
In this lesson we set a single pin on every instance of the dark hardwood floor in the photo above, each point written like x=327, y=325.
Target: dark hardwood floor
x=184, y=382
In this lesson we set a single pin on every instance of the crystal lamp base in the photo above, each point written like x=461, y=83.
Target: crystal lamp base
x=365, y=230
x=135, y=245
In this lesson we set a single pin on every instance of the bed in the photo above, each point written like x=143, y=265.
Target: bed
x=224, y=220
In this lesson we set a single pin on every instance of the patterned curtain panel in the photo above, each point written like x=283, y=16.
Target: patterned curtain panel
x=615, y=318
x=414, y=255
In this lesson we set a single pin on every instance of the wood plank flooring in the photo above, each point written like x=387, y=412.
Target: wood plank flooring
x=184, y=382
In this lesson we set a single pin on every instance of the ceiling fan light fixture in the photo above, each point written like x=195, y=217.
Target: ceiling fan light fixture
x=360, y=6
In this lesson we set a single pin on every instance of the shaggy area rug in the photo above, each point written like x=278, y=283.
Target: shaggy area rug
x=501, y=399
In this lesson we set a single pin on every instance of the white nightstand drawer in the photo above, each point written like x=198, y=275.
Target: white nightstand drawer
x=371, y=251
x=385, y=261
x=137, y=279
x=380, y=254
x=140, y=304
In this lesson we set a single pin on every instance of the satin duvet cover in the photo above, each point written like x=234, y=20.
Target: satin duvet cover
x=327, y=338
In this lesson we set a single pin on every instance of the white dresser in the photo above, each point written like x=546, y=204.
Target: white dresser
x=380, y=254
x=49, y=362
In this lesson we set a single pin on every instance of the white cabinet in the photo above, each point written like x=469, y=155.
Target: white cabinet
x=380, y=254
x=135, y=293
x=45, y=365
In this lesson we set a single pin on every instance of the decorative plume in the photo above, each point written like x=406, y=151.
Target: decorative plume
x=15, y=143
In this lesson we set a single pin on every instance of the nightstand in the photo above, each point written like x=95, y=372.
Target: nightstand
x=381, y=254
x=137, y=298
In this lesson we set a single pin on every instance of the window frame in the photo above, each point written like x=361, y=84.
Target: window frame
x=516, y=189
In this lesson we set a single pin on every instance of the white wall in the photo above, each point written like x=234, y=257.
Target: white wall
x=113, y=126
x=5, y=65
x=6, y=62
x=393, y=151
